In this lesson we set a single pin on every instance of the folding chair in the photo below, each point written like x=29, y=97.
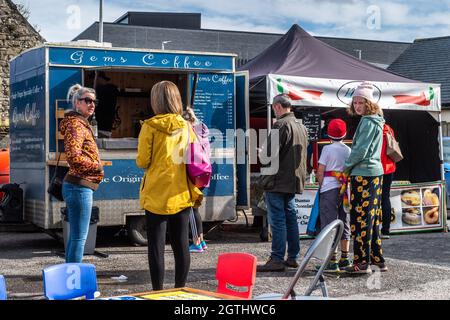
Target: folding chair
x=237, y=269
x=2, y=288
x=322, y=248
x=70, y=280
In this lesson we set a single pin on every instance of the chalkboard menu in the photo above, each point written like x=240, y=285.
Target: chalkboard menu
x=311, y=120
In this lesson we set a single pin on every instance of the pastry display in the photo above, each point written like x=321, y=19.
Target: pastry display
x=412, y=216
x=417, y=207
x=430, y=198
x=393, y=216
x=431, y=216
x=411, y=198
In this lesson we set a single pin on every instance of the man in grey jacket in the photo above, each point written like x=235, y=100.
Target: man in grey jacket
x=282, y=182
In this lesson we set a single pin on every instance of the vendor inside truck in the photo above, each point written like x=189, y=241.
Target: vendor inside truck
x=105, y=111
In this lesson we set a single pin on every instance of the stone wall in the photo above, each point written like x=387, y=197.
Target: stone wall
x=16, y=36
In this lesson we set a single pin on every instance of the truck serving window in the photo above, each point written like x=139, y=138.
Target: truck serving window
x=124, y=101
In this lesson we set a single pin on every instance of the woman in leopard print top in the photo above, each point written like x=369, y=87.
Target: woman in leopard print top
x=85, y=169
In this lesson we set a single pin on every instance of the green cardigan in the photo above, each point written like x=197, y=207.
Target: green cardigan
x=365, y=158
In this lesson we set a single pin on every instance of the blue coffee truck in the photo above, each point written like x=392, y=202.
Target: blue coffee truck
x=39, y=81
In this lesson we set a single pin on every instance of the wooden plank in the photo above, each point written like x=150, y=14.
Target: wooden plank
x=60, y=113
x=61, y=163
x=63, y=156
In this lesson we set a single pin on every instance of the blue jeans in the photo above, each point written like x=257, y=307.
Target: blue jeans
x=282, y=218
x=79, y=207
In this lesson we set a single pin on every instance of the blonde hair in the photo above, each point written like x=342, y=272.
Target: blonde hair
x=189, y=115
x=75, y=93
x=371, y=109
x=166, y=98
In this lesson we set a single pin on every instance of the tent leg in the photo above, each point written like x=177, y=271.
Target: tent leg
x=441, y=147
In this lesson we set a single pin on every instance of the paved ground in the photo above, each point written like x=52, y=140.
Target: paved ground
x=419, y=265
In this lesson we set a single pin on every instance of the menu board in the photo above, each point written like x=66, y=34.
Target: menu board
x=178, y=295
x=214, y=106
x=171, y=294
x=214, y=103
x=311, y=120
x=303, y=205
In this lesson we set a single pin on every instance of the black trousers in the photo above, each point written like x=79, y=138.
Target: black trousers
x=386, y=204
x=178, y=227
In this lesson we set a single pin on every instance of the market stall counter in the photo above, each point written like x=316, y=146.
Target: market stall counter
x=322, y=88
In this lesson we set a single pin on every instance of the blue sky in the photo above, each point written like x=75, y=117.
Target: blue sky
x=62, y=20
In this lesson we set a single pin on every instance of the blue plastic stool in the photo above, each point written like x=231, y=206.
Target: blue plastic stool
x=70, y=280
x=2, y=288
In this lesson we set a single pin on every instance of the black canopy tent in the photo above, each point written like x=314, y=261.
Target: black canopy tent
x=298, y=54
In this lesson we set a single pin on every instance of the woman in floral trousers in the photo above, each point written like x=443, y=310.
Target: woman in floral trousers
x=365, y=219
x=366, y=178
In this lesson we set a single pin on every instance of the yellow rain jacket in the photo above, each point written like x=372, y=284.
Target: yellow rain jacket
x=165, y=187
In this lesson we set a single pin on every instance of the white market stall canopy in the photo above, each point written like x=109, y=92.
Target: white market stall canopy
x=337, y=93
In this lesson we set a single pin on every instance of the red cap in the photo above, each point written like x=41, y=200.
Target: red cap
x=337, y=129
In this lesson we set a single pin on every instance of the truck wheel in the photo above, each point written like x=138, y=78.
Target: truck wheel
x=137, y=230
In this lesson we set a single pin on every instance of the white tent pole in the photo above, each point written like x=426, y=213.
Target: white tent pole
x=441, y=147
x=269, y=106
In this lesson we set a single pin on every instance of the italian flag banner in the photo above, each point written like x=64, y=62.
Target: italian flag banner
x=337, y=93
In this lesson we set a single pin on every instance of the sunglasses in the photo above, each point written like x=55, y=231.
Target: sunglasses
x=89, y=101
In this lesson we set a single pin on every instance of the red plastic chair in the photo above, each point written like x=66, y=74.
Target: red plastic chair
x=4, y=167
x=237, y=269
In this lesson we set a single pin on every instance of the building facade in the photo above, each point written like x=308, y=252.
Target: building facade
x=182, y=31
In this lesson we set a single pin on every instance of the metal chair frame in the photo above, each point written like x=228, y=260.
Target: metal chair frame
x=323, y=250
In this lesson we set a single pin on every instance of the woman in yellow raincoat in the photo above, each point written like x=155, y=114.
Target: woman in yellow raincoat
x=166, y=193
